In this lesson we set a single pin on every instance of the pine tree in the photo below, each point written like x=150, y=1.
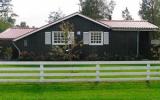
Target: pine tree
x=149, y=10
x=55, y=15
x=126, y=14
x=6, y=13
x=97, y=9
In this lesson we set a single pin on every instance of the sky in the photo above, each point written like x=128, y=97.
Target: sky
x=35, y=12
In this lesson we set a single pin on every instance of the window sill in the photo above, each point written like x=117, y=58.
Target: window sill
x=60, y=44
x=96, y=44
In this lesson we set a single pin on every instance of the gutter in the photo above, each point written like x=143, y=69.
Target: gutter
x=135, y=29
x=19, y=51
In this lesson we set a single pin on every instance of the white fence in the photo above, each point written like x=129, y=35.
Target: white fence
x=79, y=71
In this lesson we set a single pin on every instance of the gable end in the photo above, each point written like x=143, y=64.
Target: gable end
x=63, y=19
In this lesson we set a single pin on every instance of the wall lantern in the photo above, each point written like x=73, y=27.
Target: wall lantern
x=78, y=33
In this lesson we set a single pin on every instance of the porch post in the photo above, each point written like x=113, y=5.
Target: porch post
x=19, y=51
x=137, y=43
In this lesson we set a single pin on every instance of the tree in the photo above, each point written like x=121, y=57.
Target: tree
x=23, y=25
x=4, y=25
x=55, y=15
x=97, y=9
x=107, y=9
x=8, y=53
x=149, y=10
x=72, y=48
x=6, y=15
x=5, y=8
x=126, y=14
x=67, y=28
x=6, y=12
x=63, y=52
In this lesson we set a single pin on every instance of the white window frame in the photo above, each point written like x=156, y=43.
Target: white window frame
x=90, y=36
x=53, y=37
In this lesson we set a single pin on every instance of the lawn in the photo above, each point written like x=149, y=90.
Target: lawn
x=81, y=91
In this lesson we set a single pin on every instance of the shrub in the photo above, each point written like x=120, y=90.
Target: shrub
x=26, y=56
x=7, y=53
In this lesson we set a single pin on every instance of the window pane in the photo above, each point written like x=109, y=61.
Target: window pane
x=96, y=37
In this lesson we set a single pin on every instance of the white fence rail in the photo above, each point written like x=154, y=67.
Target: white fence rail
x=112, y=71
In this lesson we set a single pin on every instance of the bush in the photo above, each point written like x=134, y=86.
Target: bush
x=27, y=56
x=7, y=53
x=63, y=53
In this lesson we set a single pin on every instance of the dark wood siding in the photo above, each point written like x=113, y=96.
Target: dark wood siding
x=144, y=44
x=36, y=41
x=120, y=43
x=123, y=43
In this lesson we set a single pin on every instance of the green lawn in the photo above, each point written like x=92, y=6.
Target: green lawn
x=81, y=91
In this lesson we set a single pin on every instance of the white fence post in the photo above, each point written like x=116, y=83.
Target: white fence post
x=97, y=72
x=148, y=72
x=41, y=72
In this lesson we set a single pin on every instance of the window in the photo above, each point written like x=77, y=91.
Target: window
x=47, y=38
x=25, y=43
x=58, y=38
x=96, y=38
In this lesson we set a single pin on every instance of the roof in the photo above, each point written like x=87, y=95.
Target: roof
x=19, y=33
x=13, y=33
x=130, y=25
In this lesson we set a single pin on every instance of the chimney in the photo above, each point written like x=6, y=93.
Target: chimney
x=23, y=24
x=109, y=17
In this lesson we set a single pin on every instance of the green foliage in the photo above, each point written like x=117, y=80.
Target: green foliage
x=61, y=53
x=70, y=50
x=27, y=56
x=7, y=53
x=55, y=15
x=4, y=25
x=97, y=9
x=6, y=12
x=126, y=14
x=58, y=53
x=6, y=15
x=149, y=10
x=67, y=27
x=155, y=53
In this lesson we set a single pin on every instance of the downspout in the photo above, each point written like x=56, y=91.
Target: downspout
x=137, y=44
x=19, y=51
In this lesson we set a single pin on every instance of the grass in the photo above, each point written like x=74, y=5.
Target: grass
x=81, y=91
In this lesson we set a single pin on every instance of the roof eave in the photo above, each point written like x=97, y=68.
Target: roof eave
x=6, y=39
x=136, y=29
